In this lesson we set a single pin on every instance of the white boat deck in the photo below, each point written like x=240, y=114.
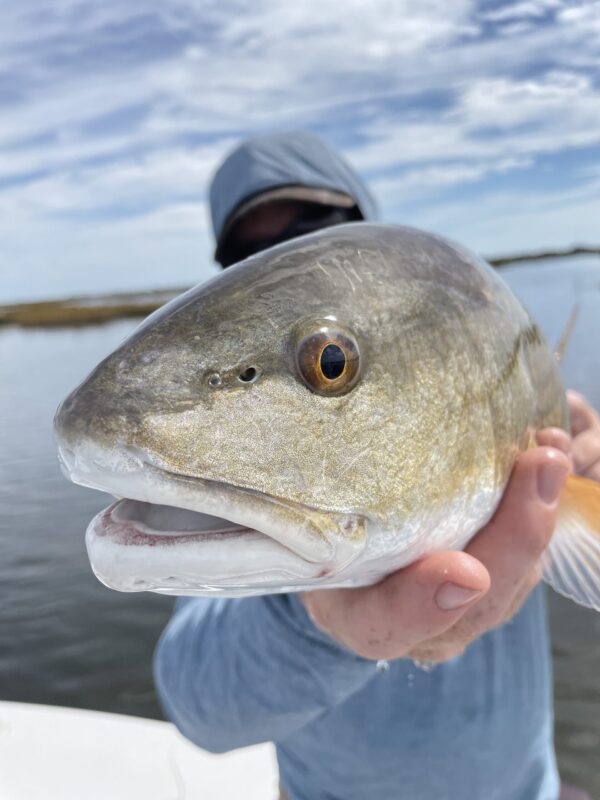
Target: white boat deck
x=52, y=753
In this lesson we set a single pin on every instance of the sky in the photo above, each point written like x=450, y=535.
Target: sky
x=476, y=120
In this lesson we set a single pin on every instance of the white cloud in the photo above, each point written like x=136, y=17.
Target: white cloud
x=494, y=119
x=506, y=103
x=429, y=180
x=158, y=178
x=424, y=99
x=530, y=8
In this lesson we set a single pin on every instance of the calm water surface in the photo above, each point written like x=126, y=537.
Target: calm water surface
x=65, y=639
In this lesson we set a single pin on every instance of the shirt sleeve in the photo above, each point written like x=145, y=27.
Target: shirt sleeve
x=234, y=672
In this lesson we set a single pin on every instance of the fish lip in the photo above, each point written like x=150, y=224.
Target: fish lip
x=69, y=462
x=318, y=536
x=249, y=491
x=114, y=552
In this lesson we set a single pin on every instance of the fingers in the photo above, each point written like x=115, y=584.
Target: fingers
x=525, y=589
x=510, y=546
x=585, y=427
x=582, y=415
x=416, y=603
x=555, y=437
x=435, y=607
x=586, y=453
x=454, y=641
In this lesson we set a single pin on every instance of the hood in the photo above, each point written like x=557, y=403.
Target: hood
x=271, y=161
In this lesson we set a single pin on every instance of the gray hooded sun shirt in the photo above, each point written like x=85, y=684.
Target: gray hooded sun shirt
x=235, y=672
x=270, y=162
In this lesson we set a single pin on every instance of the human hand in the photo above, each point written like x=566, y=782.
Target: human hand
x=432, y=609
x=585, y=430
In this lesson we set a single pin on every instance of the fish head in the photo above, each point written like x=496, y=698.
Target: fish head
x=264, y=430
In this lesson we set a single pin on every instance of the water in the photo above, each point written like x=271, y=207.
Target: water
x=65, y=639
x=550, y=290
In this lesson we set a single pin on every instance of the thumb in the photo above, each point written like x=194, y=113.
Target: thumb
x=581, y=413
x=389, y=619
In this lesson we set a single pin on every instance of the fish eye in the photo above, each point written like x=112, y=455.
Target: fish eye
x=328, y=360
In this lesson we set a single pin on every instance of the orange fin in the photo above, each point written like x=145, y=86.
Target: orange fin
x=572, y=559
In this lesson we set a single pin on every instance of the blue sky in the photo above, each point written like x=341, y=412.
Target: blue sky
x=480, y=121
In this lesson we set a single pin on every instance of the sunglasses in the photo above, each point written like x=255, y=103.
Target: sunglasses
x=312, y=218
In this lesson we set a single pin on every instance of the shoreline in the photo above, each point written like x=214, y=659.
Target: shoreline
x=97, y=309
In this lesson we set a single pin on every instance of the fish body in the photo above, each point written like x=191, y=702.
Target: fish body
x=319, y=415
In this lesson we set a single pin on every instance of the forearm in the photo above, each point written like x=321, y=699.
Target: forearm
x=231, y=673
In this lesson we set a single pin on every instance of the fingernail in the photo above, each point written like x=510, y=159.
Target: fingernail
x=550, y=479
x=450, y=596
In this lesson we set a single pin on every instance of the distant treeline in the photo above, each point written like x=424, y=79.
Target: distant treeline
x=104, y=308
x=539, y=255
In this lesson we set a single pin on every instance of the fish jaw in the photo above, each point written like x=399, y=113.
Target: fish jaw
x=183, y=535
x=232, y=561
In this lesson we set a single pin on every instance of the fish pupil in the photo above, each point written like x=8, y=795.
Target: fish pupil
x=333, y=361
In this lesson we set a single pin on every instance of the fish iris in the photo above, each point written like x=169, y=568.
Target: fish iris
x=327, y=358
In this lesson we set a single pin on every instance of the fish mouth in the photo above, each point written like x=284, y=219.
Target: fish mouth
x=180, y=534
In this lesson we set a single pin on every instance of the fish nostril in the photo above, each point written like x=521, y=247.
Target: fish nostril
x=249, y=375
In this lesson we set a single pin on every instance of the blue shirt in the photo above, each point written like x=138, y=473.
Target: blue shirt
x=235, y=672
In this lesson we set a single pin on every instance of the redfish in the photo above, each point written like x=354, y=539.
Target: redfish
x=320, y=415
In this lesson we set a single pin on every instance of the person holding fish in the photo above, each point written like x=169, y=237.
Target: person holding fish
x=330, y=676
x=435, y=682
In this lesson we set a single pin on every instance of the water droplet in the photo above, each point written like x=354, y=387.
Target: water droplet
x=425, y=666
